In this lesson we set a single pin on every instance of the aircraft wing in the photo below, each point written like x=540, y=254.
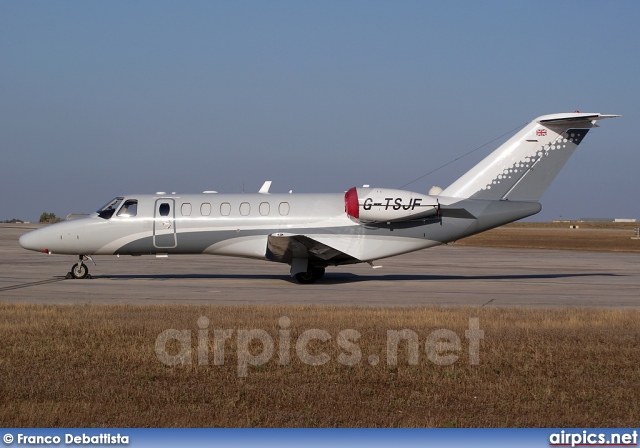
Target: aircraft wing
x=284, y=248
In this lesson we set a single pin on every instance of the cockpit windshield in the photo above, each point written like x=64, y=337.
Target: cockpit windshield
x=129, y=209
x=109, y=208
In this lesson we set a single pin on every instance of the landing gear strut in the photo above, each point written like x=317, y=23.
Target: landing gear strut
x=312, y=274
x=79, y=270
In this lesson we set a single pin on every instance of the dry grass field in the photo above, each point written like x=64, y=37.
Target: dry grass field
x=603, y=237
x=96, y=366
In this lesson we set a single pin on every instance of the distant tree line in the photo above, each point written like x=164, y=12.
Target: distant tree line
x=49, y=218
x=45, y=218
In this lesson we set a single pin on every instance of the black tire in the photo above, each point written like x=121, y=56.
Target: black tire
x=318, y=273
x=79, y=270
x=306, y=278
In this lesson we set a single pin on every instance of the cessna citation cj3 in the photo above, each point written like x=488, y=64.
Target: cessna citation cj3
x=312, y=231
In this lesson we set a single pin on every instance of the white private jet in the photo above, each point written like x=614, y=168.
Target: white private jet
x=312, y=231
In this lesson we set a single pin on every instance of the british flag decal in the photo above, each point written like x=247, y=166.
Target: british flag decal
x=541, y=132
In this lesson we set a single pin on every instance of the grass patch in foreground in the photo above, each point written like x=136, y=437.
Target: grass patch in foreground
x=77, y=366
x=586, y=238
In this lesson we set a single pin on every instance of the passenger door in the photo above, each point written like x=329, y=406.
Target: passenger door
x=164, y=224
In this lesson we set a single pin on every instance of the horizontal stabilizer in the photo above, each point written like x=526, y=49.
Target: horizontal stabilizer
x=558, y=119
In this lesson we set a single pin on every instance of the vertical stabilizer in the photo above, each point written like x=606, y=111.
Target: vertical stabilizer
x=524, y=166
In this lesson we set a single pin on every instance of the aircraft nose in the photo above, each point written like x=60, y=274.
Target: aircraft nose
x=32, y=241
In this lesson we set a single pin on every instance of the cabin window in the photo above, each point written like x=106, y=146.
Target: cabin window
x=164, y=209
x=225, y=209
x=245, y=209
x=284, y=208
x=186, y=209
x=129, y=208
x=264, y=208
x=107, y=211
x=205, y=209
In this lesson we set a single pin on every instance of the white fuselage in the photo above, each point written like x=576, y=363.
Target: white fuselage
x=220, y=224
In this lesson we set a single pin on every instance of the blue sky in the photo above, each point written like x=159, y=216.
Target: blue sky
x=106, y=98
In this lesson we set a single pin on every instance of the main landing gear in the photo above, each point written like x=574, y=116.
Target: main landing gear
x=80, y=270
x=311, y=276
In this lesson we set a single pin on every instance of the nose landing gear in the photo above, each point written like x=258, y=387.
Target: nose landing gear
x=80, y=270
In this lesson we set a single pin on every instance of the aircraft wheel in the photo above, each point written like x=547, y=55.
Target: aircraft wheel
x=79, y=270
x=318, y=273
x=306, y=277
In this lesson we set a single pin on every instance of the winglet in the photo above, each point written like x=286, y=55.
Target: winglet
x=265, y=187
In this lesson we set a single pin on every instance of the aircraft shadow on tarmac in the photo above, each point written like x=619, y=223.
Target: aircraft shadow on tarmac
x=348, y=278
x=342, y=278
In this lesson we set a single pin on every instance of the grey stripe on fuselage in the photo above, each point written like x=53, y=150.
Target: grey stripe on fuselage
x=309, y=209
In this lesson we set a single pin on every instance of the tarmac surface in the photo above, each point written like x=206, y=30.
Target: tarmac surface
x=442, y=276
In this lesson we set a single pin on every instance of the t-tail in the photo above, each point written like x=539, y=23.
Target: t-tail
x=523, y=167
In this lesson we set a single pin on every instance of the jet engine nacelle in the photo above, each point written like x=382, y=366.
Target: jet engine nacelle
x=387, y=205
